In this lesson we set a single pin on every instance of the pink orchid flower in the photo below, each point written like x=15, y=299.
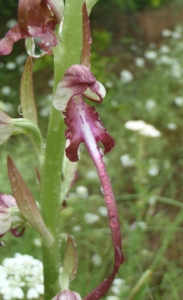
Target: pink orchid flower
x=67, y=295
x=36, y=19
x=84, y=125
x=10, y=218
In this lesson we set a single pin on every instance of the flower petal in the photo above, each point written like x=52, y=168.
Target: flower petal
x=76, y=81
x=12, y=36
x=6, y=46
x=7, y=201
x=96, y=92
x=74, y=132
x=15, y=232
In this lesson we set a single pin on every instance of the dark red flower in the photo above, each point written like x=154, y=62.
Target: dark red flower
x=36, y=19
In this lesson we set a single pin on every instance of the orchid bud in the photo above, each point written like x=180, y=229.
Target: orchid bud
x=10, y=217
x=67, y=295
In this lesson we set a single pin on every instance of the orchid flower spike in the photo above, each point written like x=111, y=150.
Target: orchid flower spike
x=36, y=19
x=10, y=217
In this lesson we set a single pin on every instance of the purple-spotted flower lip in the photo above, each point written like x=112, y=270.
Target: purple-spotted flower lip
x=35, y=19
x=78, y=80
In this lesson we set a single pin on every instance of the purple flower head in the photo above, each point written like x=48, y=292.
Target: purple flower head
x=67, y=295
x=37, y=19
x=10, y=218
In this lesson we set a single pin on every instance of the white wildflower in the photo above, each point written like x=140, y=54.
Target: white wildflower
x=82, y=191
x=116, y=290
x=119, y=282
x=165, y=60
x=152, y=200
x=176, y=35
x=11, y=23
x=140, y=62
x=10, y=65
x=76, y=228
x=127, y=161
x=164, y=49
x=178, y=101
x=5, y=90
x=142, y=128
x=135, y=125
x=109, y=84
x=150, y=131
x=20, y=59
x=92, y=174
x=19, y=275
x=91, y=218
x=32, y=293
x=176, y=70
x=18, y=293
x=150, y=104
x=96, y=260
x=50, y=82
x=150, y=54
x=126, y=76
x=139, y=224
x=166, y=32
x=154, y=168
x=171, y=126
x=102, y=210
x=37, y=242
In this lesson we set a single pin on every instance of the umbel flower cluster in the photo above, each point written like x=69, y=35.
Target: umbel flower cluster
x=46, y=26
x=20, y=277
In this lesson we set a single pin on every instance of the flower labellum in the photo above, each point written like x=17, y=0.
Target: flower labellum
x=77, y=115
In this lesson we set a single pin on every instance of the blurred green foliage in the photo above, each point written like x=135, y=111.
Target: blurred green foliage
x=132, y=5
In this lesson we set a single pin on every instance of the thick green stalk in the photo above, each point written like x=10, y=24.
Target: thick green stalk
x=68, y=52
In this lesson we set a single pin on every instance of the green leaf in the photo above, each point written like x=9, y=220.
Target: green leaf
x=26, y=203
x=86, y=41
x=27, y=94
x=69, y=172
x=70, y=263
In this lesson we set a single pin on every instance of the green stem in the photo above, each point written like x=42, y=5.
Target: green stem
x=65, y=54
